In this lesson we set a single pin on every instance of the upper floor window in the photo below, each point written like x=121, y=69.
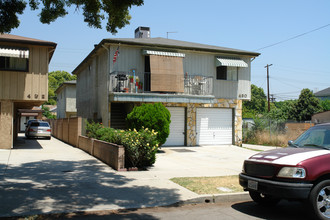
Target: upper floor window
x=227, y=73
x=14, y=59
x=227, y=68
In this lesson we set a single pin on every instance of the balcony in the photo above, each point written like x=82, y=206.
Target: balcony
x=137, y=83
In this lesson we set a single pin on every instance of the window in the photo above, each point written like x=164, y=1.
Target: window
x=227, y=73
x=13, y=63
x=14, y=59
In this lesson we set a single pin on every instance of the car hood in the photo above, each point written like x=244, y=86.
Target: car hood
x=288, y=156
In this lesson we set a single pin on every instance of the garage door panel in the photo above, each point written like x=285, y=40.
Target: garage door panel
x=214, y=126
x=177, y=128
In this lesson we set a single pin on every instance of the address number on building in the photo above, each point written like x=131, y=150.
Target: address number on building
x=242, y=95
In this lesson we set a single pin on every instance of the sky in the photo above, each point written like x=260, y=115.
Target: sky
x=302, y=62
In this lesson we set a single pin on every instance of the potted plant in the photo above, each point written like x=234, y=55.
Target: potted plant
x=131, y=79
x=137, y=81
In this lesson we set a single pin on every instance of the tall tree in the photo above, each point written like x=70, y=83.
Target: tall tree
x=116, y=12
x=306, y=105
x=55, y=79
x=325, y=104
x=257, y=104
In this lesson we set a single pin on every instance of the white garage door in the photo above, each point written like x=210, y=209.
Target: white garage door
x=214, y=126
x=176, y=137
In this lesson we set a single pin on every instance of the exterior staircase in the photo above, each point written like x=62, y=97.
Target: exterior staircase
x=118, y=116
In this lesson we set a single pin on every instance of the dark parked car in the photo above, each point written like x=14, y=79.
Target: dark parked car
x=299, y=172
x=36, y=128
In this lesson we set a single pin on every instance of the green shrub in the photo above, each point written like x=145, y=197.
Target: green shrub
x=153, y=116
x=92, y=128
x=140, y=146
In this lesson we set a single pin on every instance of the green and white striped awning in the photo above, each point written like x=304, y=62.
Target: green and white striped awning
x=10, y=52
x=235, y=62
x=163, y=53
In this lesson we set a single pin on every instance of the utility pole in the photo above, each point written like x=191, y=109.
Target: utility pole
x=267, y=66
x=272, y=99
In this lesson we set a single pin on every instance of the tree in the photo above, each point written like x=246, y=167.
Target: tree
x=284, y=109
x=306, y=105
x=257, y=104
x=55, y=79
x=117, y=12
x=47, y=113
x=325, y=104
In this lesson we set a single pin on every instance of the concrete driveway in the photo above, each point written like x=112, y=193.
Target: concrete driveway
x=49, y=176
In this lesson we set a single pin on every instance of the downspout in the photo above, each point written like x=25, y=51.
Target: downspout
x=108, y=85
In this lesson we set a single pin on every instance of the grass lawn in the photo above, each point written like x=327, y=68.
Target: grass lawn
x=210, y=185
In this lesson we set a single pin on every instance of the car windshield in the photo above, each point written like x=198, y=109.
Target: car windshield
x=316, y=137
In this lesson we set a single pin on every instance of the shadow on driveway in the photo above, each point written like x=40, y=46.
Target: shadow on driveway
x=22, y=142
x=56, y=186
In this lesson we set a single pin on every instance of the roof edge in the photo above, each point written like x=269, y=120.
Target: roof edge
x=25, y=40
x=239, y=52
x=116, y=41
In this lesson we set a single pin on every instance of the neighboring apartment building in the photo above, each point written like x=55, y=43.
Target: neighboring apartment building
x=202, y=86
x=323, y=94
x=66, y=100
x=322, y=117
x=23, y=80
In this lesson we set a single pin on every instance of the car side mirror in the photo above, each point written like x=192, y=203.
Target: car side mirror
x=290, y=143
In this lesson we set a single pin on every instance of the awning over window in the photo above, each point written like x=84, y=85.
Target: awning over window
x=163, y=53
x=236, y=62
x=18, y=53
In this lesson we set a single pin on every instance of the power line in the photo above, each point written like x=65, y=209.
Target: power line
x=297, y=81
x=291, y=38
x=286, y=93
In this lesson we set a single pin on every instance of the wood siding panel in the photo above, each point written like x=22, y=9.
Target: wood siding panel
x=199, y=64
x=13, y=89
x=244, y=81
x=128, y=59
x=204, y=64
x=6, y=86
x=27, y=86
x=21, y=86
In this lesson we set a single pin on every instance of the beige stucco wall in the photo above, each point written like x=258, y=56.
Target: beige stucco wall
x=6, y=124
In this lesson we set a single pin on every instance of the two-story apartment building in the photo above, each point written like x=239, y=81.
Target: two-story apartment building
x=66, y=100
x=202, y=86
x=23, y=80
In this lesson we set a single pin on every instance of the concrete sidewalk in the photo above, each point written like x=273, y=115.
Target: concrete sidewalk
x=49, y=176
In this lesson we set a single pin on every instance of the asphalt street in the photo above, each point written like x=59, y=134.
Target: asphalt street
x=220, y=211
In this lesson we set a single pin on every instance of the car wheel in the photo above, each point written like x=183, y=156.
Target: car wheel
x=319, y=199
x=262, y=199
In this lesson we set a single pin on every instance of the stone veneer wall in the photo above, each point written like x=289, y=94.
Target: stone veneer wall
x=219, y=103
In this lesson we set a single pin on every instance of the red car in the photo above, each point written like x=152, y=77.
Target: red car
x=299, y=172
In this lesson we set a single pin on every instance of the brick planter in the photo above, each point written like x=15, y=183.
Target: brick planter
x=111, y=154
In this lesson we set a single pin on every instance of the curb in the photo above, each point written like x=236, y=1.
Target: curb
x=217, y=198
